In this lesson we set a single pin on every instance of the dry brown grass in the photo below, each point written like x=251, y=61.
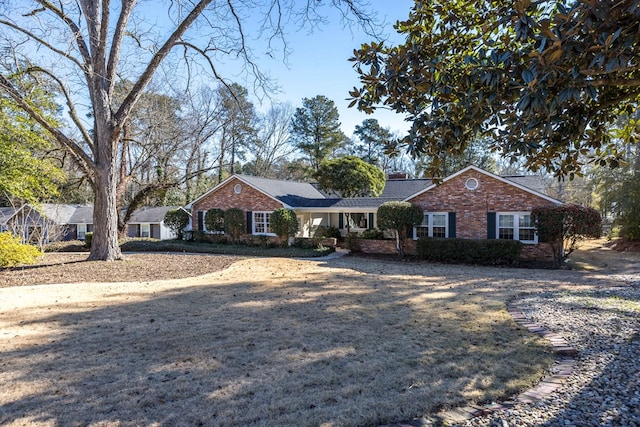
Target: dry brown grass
x=350, y=342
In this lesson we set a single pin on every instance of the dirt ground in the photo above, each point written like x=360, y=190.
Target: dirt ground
x=595, y=255
x=184, y=340
x=73, y=268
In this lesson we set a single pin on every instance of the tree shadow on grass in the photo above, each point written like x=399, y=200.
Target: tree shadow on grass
x=334, y=347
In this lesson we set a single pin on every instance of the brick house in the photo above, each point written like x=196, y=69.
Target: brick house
x=471, y=203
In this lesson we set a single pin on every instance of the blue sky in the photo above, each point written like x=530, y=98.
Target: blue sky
x=319, y=65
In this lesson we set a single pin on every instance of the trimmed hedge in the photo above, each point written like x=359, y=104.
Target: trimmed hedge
x=470, y=251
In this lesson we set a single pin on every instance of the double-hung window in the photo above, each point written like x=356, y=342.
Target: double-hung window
x=434, y=224
x=262, y=223
x=145, y=230
x=516, y=226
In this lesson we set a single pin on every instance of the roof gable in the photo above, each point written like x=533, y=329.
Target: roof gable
x=289, y=193
x=512, y=182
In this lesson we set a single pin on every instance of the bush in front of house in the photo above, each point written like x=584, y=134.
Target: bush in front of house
x=564, y=226
x=88, y=239
x=398, y=217
x=284, y=223
x=13, y=252
x=234, y=223
x=177, y=220
x=214, y=220
x=323, y=231
x=373, y=234
x=469, y=251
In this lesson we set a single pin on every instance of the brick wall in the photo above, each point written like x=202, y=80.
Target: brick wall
x=370, y=246
x=471, y=206
x=225, y=197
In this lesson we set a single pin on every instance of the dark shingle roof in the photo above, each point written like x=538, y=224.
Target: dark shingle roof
x=288, y=192
x=533, y=182
x=150, y=214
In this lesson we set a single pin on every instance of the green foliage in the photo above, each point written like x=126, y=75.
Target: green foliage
x=469, y=251
x=315, y=129
x=372, y=234
x=351, y=242
x=541, y=80
x=323, y=231
x=13, y=253
x=284, y=223
x=564, y=226
x=375, y=142
x=350, y=176
x=88, y=240
x=25, y=170
x=399, y=217
x=214, y=220
x=177, y=220
x=628, y=207
x=234, y=223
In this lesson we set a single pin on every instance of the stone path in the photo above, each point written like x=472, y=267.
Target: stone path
x=596, y=378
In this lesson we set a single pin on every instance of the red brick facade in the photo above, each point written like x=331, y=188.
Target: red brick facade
x=471, y=206
x=225, y=197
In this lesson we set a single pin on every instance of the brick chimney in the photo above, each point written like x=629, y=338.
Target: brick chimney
x=397, y=175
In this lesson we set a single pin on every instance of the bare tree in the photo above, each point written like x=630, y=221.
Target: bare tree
x=86, y=46
x=272, y=145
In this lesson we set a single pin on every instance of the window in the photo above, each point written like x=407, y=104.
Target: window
x=434, y=224
x=471, y=184
x=358, y=220
x=262, y=223
x=145, y=230
x=81, y=231
x=516, y=226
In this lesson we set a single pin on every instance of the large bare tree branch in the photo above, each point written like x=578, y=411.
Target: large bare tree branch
x=145, y=77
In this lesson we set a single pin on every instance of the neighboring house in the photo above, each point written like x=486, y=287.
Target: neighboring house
x=7, y=215
x=148, y=221
x=471, y=203
x=47, y=222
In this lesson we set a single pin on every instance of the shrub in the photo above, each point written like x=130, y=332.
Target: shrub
x=234, y=223
x=483, y=252
x=65, y=246
x=214, y=220
x=88, y=239
x=399, y=217
x=324, y=231
x=351, y=242
x=13, y=253
x=373, y=234
x=284, y=223
x=177, y=220
x=564, y=226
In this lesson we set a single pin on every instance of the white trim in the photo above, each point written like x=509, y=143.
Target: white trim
x=516, y=227
x=84, y=231
x=266, y=223
x=471, y=184
x=489, y=174
x=142, y=226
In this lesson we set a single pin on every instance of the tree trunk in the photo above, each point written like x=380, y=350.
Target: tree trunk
x=104, y=245
x=105, y=217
